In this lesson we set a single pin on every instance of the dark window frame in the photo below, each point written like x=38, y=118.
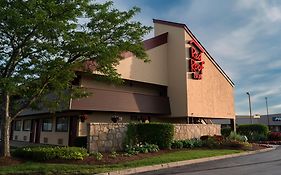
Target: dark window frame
x=63, y=129
x=15, y=125
x=24, y=124
x=44, y=129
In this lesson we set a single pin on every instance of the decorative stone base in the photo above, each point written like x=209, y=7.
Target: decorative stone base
x=106, y=137
x=189, y=131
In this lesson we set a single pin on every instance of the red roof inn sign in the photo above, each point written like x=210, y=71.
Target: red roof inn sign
x=196, y=62
x=276, y=119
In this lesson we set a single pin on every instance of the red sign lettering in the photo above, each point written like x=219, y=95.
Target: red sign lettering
x=196, y=63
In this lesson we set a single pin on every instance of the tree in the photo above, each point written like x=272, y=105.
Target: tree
x=42, y=43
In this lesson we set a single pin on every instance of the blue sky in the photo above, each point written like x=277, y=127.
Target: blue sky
x=243, y=36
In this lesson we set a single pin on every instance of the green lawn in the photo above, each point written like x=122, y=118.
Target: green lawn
x=47, y=168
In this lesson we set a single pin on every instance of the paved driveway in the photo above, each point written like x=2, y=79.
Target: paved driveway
x=266, y=163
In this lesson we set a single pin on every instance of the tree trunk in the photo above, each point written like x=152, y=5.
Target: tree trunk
x=5, y=127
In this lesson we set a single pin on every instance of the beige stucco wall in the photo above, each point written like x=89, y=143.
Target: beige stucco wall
x=176, y=68
x=52, y=137
x=154, y=72
x=213, y=95
x=20, y=135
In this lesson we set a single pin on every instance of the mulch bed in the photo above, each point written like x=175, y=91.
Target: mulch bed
x=271, y=142
x=9, y=161
x=108, y=159
x=256, y=146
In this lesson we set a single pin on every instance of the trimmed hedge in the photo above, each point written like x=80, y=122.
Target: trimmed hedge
x=226, y=132
x=253, y=132
x=160, y=134
x=42, y=153
x=177, y=144
x=188, y=143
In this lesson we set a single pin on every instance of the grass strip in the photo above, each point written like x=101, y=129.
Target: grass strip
x=48, y=168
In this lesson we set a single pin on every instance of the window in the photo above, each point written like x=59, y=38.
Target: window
x=47, y=124
x=62, y=124
x=27, y=125
x=17, y=126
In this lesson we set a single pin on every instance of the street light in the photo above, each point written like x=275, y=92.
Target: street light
x=250, y=107
x=267, y=111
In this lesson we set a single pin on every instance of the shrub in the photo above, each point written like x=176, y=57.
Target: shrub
x=177, y=144
x=217, y=138
x=140, y=148
x=113, y=154
x=197, y=142
x=188, y=143
x=191, y=143
x=152, y=147
x=48, y=153
x=211, y=143
x=131, y=150
x=81, y=142
x=258, y=137
x=225, y=132
x=237, y=137
x=274, y=136
x=97, y=155
x=131, y=135
x=205, y=137
x=236, y=144
x=160, y=134
x=252, y=130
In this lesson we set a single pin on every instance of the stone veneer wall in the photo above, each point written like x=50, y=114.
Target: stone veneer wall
x=105, y=137
x=189, y=131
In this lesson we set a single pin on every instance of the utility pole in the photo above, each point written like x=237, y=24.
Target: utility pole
x=250, y=106
x=267, y=111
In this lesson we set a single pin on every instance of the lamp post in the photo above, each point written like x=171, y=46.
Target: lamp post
x=250, y=107
x=267, y=111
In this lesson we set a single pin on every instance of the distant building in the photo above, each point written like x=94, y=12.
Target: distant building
x=273, y=121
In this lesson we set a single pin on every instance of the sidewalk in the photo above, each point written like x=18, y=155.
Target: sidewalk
x=182, y=163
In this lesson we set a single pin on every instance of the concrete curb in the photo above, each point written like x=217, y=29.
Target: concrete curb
x=182, y=163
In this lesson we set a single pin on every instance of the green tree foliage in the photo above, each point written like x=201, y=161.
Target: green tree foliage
x=43, y=42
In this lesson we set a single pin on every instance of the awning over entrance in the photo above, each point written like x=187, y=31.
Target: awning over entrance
x=108, y=100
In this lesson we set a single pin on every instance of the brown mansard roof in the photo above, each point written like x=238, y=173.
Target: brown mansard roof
x=150, y=43
x=108, y=100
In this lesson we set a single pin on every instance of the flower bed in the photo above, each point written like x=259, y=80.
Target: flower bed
x=270, y=142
